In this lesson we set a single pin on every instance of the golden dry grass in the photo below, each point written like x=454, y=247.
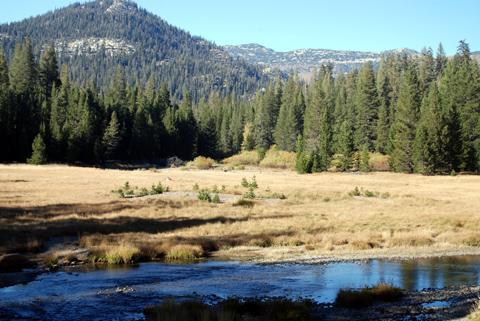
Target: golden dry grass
x=410, y=214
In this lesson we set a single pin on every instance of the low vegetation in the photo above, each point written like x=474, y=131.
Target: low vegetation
x=201, y=162
x=275, y=158
x=231, y=310
x=185, y=252
x=128, y=191
x=245, y=158
x=363, y=298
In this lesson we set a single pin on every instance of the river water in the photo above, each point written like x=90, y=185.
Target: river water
x=122, y=293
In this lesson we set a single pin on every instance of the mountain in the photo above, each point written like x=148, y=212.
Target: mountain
x=95, y=37
x=476, y=55
x=304, y=61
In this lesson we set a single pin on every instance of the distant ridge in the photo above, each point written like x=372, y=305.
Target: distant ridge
x=304, y=61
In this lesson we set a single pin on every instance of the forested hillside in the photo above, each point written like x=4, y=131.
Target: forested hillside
x=94, y=37
x=423, y=112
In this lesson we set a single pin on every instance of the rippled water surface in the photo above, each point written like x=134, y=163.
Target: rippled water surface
x=121, y=293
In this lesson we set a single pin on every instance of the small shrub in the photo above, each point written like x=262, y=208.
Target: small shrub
x=204, y=195
x=379, y=162
x=261, y=152
x=368, y=193
x=275, y=158
x=244, y=158
x=125, y=191
x=201, y=162
x=355, y=192
x=121, y=254
x=357, y=299
x=250, y=194
x=364, y=160
x=142, y=192
x=216, y=199
x=184, y=252
x=195, y=187
x=327, y=199
x=157, y=189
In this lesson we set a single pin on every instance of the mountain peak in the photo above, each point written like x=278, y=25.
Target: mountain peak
x=121, y=6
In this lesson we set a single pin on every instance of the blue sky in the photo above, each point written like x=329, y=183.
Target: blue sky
x=369, y=25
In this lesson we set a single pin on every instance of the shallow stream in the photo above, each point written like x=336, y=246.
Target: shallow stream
x=122, y=293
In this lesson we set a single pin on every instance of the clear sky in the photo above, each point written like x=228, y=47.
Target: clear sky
x=367, y=25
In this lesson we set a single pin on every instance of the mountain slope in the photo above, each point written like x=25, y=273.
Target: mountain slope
x=304, y=61
x=96, y=36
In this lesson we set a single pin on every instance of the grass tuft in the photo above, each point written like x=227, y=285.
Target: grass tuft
x=185, y=252
x=357, y=299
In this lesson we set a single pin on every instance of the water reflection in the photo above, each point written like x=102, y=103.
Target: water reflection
x=128, y=290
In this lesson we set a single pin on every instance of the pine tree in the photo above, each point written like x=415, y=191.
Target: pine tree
x=6, y=114
x=345, y=143
x=385, y=92
x=58, y=117
x=266, y=114
x=426, y=70
x=248, y=141
x=430, y=139
x=313, y=118
x=39, y=155
x=26, y=109
x=404, y=127
x=187, y=128
x=23, y=70
x=366, y=108
x=441, y=60
x=48, y=71
x=460, y=87
x=111, y=137
x=289, y=123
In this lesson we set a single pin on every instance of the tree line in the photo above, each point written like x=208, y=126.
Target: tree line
x=422, y=111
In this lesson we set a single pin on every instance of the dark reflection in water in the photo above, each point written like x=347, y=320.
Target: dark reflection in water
x=121, y=293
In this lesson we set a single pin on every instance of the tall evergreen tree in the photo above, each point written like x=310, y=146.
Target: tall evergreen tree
x=404, y=127
x=265, y=118
x=48, y=71
x=26, y=109
x=111, y=137
x=39, y=155
x=366, y=108
x=385, y=92
x=440, y=60
x=6, y=114
x=187, y=128
x=290, y=119
x=429, y=145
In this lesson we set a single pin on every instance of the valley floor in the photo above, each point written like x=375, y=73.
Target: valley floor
x=307, y=218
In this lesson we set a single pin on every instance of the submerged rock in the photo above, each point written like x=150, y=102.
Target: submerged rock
x=14, y=263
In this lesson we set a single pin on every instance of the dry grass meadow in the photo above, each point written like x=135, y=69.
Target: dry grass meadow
x=391, y=215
